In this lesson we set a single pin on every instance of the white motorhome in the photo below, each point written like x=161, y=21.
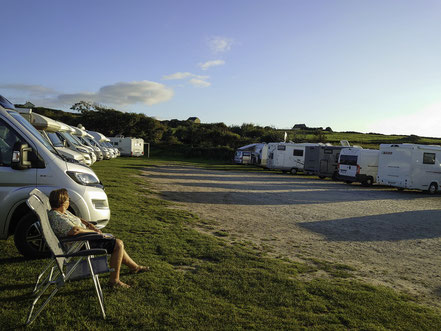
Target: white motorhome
x=28, y=161
x=410, y=166
x=48, y=128
x=128, y=146
x=65, y=135
x=356, y=164
x=288, y=157
x=99, y=138
x=264, y=152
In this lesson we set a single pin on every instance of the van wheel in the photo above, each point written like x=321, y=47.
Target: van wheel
x=28, y=237
x=433, y=188
x=293, y=171
x=368, y=182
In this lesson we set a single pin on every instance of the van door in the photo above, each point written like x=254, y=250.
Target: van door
x=348, y=165
x=11, y=180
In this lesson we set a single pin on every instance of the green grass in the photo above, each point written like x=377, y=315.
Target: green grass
x=202, y=281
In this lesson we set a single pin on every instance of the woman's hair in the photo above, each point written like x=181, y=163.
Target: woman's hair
x=58, y=197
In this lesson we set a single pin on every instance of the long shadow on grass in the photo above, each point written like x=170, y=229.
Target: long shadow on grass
x=386, y=227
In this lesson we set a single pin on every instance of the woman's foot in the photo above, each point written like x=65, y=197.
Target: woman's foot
x=118, y=284
x=139, y=269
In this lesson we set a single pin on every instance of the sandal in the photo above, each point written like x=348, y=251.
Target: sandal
x=140, y=269
x=119, y=285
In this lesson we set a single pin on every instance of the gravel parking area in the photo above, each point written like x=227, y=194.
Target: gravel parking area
x=391, y=238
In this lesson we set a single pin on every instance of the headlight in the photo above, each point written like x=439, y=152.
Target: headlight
x=84, y=178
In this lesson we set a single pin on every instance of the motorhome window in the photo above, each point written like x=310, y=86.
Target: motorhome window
x=8, y=138
x=281, y=147
x=328, y=151
x=298, y=152
x=32, y=130
x=348, y=159
x=429, y=158
x=69, y=137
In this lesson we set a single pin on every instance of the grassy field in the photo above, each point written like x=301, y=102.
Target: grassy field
x=201, y=281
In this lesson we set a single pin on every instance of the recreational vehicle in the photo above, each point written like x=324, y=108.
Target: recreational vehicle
x=48, y=128
x=249, y=154
x=322, y=161
x=128, y=146
x=29, y=161
x=288, y=157
x=264, y=152
x=356, y=164
x=410, y=166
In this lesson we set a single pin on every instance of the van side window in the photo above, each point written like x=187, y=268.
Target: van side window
x=348, y=159
x=298, y=152
x=8, y=138
x=429, y=158
x=281, y=147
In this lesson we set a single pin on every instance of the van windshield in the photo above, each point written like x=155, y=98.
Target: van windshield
x=71, y=139
x=55, y=140
x=32, y=130
x=348, y=159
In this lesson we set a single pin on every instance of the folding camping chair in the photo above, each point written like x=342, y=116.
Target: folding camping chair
x=77, y=262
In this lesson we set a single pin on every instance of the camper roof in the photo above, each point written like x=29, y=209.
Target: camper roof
x=41, y=122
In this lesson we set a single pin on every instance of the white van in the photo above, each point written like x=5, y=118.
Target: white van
x=242, y=157
x=128, y=146
x=288, y=157
x=28, y=161
x=410, y=166
x=99, y=139
x=48, y=128
x=356, y=164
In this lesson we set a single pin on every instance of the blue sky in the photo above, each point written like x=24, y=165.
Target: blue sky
x=369, y=66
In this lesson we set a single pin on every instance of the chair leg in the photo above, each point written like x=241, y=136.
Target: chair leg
x=31, y=318
x=98, y=289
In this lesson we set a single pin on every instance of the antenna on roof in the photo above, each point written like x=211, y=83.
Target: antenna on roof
x=345, y=143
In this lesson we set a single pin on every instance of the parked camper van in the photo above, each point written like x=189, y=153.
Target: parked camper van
x=242, y=157
x=356, y=164
x=249, y=154
x=48, y=128
x=288, y=157
x=265, y=152
x=410, y=166
x=99, y=138
x=28, y=161
x=322, y=161
x=128, y=146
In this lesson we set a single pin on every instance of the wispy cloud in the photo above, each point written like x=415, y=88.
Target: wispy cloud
x=220, y=44
x=31, y=89
x=199, y=82
x=178, y=75
x=195, y=80
x=209, y=64
x=119, y=94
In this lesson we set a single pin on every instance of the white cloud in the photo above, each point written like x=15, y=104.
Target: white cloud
x=199, y=82
x=220, y=44
x=31, y=89
x=178, y=75
x=424, y=122
x=119, y=94
x=209, y=64
x=195, y=80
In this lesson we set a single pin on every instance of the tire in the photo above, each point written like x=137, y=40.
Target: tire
x=293, y=171
x=368, y=182
x=433, y=188
x=28, y=237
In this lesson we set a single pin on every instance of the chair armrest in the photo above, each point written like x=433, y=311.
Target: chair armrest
x=82, y=237
x=87, y=252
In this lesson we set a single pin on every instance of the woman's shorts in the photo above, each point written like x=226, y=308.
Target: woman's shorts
x=107, y=243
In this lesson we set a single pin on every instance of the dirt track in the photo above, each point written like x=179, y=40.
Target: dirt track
x=391, y=238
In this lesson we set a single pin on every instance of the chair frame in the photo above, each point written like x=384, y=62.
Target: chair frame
x=54, y=273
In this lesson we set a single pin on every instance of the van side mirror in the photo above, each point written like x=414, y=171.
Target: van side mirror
x=20, y=159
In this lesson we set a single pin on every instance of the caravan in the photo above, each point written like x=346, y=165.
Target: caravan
x=288, y=157
x=322, y=161
x=128, y=146
x=410, y=166
x=356, y=164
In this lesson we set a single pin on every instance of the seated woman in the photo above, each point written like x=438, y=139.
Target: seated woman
x=64, y=224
